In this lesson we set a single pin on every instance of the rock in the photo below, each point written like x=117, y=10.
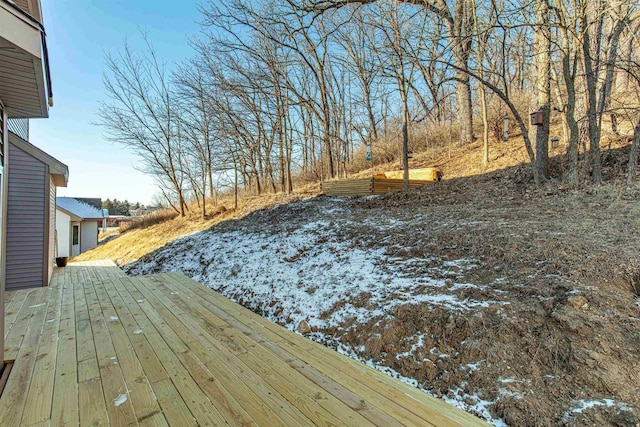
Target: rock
x=578, y=302
x=304, y=328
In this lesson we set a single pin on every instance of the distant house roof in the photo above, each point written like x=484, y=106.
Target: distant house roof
x=78, y=208
x=58, y=170
x=95, y=202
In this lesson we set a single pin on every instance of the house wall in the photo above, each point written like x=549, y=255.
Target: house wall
x=26, y=211
x=19, y=127
x=3, y=143
x=63, y=231
x=52, y=228
x=88, y=235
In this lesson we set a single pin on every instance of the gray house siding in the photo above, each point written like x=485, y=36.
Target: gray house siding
x=52, y=227
x=26, y=210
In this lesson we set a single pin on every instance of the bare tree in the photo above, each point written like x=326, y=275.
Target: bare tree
x=141, y=116
x=458, y=19
x=542, y=90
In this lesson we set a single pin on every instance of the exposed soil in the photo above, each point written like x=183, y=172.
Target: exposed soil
x=558, y=342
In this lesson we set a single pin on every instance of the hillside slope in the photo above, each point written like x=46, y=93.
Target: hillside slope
x=457, y=162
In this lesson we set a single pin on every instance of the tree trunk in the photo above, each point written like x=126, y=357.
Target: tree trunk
x=465, y=109
x=485, y=125
x=633, y=155
x=568, y=73
x=373, y=131
x=591, y=79
x=204, y=199
x=405, y=135
x=540, y=133
x=235, y=186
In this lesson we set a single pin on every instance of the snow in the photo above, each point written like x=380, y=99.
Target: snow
x=322, y=282
x=79, y=208
x=120, y=399
x=418, y=344
x=585, y=404
x=472, y=366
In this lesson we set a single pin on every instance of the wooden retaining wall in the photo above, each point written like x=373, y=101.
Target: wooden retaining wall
x=368, y=186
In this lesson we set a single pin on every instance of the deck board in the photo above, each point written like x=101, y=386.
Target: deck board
x=99, y=348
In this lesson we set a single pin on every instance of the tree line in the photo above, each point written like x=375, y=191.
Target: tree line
x=119, y=207
x=276, y=90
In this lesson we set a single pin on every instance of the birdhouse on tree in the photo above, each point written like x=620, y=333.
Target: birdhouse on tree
x=537, y=118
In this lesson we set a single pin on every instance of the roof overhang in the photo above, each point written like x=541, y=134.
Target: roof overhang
x=59, y=171
x=73, y=217
x=24, y=78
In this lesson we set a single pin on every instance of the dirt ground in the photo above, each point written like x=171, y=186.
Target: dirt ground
x=565, y=265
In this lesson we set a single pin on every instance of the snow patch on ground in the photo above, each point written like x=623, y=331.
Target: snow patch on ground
x=585, y=404
x=307, y=275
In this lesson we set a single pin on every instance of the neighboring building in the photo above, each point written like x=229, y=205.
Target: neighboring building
x=144, y=210
x=31, y=214
x=141, y=211
x=117, y=220
x=77, y=225
x=25, y=92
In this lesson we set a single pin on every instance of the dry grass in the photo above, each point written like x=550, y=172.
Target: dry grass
x=464, y=161
x=459, y=162
x=139, y=241
x=148, y=220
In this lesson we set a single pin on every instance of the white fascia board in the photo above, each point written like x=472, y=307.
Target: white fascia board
x=19, y=31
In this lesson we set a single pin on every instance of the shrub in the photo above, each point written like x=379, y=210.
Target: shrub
x=148, y=220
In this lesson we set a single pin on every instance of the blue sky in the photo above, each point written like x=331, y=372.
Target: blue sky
x=78, y=35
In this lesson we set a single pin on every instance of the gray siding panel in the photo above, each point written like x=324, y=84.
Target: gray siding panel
x=20, y=127
x=25, y=220
x=52, y=227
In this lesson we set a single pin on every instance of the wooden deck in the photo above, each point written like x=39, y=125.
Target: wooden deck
x=100, y=348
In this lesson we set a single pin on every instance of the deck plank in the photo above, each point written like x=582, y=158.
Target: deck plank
x=362, y=380
x=116, y=395
x=99, y=348
x=355, y=402
x=175, y=410
x=137, y=385
x=40, y=394
x=64, y=406
x=14, y=396
x=170, y=352
x=16, y=334
x=253, y=397
x=209, y=385
x=13, y=307
x=86, y=349
x=241, y=353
